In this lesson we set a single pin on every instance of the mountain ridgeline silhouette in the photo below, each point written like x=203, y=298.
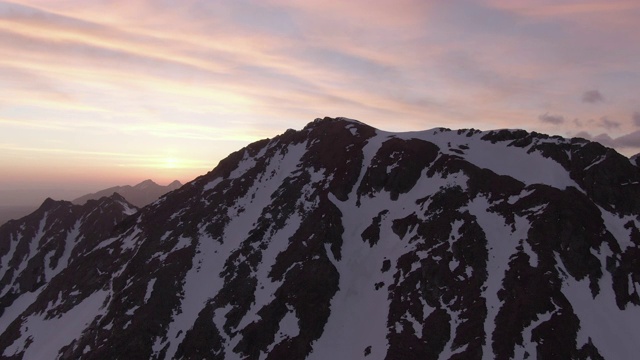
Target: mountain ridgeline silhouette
x=139, y=195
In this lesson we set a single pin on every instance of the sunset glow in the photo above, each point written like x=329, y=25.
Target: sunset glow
x=103, y=93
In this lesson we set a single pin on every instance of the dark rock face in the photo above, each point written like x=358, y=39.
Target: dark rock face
x=341, y=241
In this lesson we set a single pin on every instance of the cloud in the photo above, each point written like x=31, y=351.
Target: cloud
x=604, y=139
x=592, y=97
x=366, y=59
x=551, y=119
x=608, y=124
x=636, y=118
x=631, y=140
x=205, y=71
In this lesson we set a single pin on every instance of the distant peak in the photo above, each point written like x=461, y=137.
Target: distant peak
x=146, y=184
x=175, y=184
x=48, y=204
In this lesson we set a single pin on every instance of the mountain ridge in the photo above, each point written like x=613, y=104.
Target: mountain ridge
x=139, y=195
x=344, y=240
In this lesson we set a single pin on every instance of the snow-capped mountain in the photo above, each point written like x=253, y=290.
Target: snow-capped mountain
x=139, y=195
x=341, y=241
x=36, y=248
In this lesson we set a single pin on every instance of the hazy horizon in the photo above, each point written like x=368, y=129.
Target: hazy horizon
x=34, y=196
x=105, y=93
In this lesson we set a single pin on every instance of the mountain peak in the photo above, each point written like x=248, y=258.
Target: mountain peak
x=145, y=184
x=342, y=241
x=49, y=203
x=329, y=121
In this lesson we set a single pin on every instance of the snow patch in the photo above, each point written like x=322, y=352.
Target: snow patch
x=147, y=295
x=613, y=331
x=48, y=336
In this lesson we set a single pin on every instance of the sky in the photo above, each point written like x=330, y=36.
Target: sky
x=98, y=93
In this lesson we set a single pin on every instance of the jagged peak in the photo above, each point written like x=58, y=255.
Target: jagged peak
x=50, y=203
x=114, y=197
x=107, y=202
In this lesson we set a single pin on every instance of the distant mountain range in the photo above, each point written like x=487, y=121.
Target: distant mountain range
x=139, y=195
x=341, y=241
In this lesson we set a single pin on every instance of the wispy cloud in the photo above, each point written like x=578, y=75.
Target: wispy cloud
x=140, y=76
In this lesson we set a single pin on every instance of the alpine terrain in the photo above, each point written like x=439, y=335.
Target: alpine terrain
x=340, y=241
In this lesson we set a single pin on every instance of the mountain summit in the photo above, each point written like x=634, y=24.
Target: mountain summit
x=343, y=241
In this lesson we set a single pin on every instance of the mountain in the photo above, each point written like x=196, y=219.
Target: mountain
x=343, y=241
x=139, y=195
x=39, y=246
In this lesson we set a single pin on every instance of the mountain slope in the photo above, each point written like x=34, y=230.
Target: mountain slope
x=342, y=241
x=39, y=246
x=139, y=195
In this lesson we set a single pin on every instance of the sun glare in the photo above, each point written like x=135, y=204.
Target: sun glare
x=171, y=163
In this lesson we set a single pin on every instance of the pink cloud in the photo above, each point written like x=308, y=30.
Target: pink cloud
x=259, y=67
